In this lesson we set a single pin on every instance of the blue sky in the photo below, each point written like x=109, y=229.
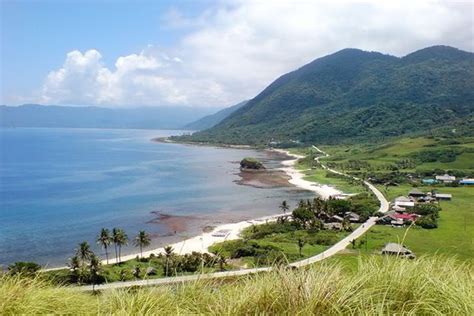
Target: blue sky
x=202, y=52
x=36, y=35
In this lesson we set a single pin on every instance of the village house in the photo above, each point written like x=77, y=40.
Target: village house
x=446, y=178
x=352, y=217
x=416, y=193
x=467, y=181
x=395, y=249
x=404, y=201
x=443, y=196
x=429, y=181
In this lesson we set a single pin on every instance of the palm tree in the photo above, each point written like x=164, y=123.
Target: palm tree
x=301, y=243
x=104, y=240
x=121, y=241
x=94, y=268
x=168, y=253
x=284, y=207
x=115, y=239
x=84, y=252
x=142, y=240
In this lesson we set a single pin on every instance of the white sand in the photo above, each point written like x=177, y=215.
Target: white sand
x=297, y=178
x=202, y=242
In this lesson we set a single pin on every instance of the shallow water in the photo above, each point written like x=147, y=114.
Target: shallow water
x=58, y=187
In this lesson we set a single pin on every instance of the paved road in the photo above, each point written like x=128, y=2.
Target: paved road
x=342, y=244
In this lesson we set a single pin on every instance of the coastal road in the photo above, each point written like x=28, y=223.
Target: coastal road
x=341, y=245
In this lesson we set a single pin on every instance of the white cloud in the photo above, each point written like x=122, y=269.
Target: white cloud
x=233, y=50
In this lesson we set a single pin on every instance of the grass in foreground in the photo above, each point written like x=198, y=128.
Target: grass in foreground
x=428, y=285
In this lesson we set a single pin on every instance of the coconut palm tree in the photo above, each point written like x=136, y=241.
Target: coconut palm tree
x=142, y=240
x=104, y=240
x=301, y=243
x=120, y=240
x=94, y=269
x=115, y=239
x=284, y=206
x=84, y=252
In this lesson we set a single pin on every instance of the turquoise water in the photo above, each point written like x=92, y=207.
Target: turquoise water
x=58, y=187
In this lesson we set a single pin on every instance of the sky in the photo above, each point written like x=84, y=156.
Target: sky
x=199, y=53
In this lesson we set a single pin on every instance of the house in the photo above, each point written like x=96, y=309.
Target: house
x=403, y=201
x=429, y=181
x=333, y=226
x=399, y=209
x=397, y=223
x=405, y=216
x=426, y=199
x=441, y=196
x=352, y=217
x=397, y=250
x=467, y=182
x=385, y=220
x=416, y=193
x=446, y=178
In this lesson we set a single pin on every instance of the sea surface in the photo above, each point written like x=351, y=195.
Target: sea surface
x=59, y=187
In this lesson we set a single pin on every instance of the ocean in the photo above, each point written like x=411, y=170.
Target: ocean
x=59, y=187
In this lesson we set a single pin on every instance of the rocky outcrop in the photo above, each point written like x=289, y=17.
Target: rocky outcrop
x=251, y=164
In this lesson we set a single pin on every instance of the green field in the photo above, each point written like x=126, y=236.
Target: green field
x=455, y=232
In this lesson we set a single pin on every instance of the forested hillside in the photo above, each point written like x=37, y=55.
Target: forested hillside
x=354, y=95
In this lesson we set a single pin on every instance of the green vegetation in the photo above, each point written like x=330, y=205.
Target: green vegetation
x=393, y=167
x=354, y=96
x=310, y=230
x=386, y=286
x=251, y=163
x=453, y=235
x=277, y=243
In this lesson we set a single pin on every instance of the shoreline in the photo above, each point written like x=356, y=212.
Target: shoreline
x=297, y=177
x=231, y=231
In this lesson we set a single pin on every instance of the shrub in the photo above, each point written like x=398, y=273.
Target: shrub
x=428, y=222
x=23, y=267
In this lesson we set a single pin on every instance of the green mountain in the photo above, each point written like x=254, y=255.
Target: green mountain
x=213, y=119
x=354, y=95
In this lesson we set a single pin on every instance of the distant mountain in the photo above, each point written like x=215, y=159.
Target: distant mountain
x=213, y=119
x=33, y=115
x=354, y=95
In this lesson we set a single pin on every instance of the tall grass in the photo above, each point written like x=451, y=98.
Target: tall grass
x=380, y=286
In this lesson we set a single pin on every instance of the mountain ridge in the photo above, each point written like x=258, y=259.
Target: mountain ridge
x=353, y=94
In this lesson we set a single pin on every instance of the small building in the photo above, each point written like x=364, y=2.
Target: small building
x=442, y=196
x=352, y=217
x=337, y=218
x=416, y=193
x=397, y=223
x=446, y=178
x=426, y=199
x=395, y=249
x=467, y=182
x=333, y=226
x=399, y=209
x=404, y=201
x=405, y=217
x=429, y=181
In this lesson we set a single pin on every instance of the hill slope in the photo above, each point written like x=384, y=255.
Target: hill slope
x=213, y=119
x=357, y=95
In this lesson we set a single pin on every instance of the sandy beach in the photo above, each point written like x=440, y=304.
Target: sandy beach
x=232, y=231
x=297, y=177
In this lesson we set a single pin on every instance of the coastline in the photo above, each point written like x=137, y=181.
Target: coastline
x=231, y=231
x=297, y=177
